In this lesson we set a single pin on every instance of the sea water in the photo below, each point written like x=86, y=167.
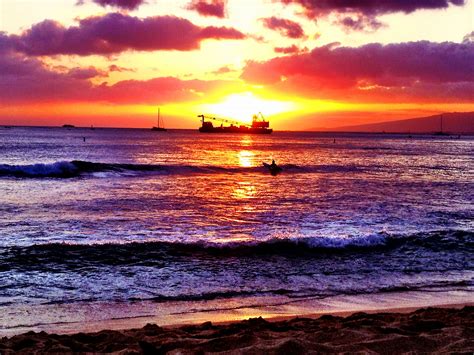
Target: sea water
x=109, y=219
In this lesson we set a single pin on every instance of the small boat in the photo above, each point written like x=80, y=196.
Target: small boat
x=159, y=124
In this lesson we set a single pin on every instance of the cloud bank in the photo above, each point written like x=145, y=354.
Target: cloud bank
x=370, y=7
x=361, y=15
x=115, y=33
x=414, y=70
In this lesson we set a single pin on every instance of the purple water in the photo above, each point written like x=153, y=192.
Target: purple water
x=133, y=215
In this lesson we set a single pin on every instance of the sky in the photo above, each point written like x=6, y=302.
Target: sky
x=304, y=64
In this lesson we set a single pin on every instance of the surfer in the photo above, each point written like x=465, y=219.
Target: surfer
x=273, y=167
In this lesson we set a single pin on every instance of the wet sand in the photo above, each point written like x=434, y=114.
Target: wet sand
x=441, y=330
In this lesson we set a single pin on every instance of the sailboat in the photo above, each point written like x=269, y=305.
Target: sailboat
x=440, y=132
x=159, y=123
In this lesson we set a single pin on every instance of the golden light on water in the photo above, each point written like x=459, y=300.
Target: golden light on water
x=246, y=141
x=246, y=158
x=244, y=190
x=241, y=107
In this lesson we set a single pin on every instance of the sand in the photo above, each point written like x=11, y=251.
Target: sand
x=440, y=330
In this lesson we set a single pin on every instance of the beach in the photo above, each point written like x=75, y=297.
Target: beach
x=428, y=330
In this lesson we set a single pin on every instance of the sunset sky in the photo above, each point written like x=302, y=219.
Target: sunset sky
x=303, y=63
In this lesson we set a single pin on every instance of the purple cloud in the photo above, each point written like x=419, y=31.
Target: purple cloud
x=293, y=49
x=286, y=27
x=116, y=68
x=392, y=69
x=469, y=38
x=214, y=8
x=86, y=73
x=361, y=15
x=122, y=4
x=359, y=23
x=370, y=7
x=114, y=33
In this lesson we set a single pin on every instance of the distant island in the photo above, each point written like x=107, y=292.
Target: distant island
x=68, y=126
x=452, y=123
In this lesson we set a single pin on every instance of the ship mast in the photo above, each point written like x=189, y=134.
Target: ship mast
x=158, y=119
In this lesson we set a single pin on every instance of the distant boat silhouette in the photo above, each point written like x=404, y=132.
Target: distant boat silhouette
x=440, y=132
x=159, y=127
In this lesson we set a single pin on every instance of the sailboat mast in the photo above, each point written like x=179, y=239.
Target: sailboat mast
x=158, y=119
x=441, y=122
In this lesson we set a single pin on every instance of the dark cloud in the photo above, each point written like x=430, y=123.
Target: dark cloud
x=116, y=68
x=393, y=70
x=370, y=7
x=122, y=4
x=114, y=33
x=209, y=7
x=293, y=49
x=469, y=38
x=86, y=73
x=6, y=44
x=286, y=27
x=361, y=15
x=223, y=70
x=359, y=23
x=220, y=33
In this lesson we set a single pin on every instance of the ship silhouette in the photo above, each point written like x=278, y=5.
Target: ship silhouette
x=258, y=126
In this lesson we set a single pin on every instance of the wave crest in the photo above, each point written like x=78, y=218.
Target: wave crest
x=152, y=252
x=76, y=168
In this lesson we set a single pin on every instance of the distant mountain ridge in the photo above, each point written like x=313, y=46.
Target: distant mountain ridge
x=453, y=122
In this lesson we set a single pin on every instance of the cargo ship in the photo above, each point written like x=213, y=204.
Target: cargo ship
x=258, y=126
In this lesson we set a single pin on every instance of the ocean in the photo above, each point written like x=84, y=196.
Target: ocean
x=107, y=225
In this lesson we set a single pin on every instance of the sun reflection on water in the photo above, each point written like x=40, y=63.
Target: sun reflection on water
x=246, y=141
x=246, y=158
x=244, y=190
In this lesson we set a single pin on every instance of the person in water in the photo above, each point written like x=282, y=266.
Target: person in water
x=273, y=164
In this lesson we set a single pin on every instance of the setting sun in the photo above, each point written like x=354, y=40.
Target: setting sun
x=241, y=107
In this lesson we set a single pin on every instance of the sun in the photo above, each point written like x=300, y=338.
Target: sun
x=242, y=106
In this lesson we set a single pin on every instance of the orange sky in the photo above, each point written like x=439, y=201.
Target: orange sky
x=302, y=63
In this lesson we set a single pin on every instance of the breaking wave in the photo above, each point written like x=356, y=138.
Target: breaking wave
x=150, y=253
x=76, y=168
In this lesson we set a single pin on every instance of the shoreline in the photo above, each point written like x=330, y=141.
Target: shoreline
x=440, y=329
x=98, y=316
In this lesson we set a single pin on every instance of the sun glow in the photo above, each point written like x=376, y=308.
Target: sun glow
x=241, y=107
